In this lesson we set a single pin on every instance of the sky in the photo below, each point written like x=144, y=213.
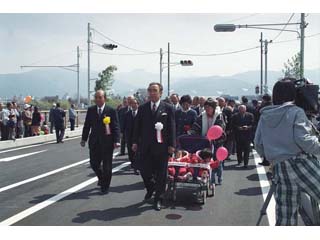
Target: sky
x=51, y=39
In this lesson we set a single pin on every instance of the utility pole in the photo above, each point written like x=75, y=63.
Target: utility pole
x=168, y=69
x=261, y=66
x=161, y=56
x=78, y=77
x=266, y=42
x=89, y=36
x=302, y=27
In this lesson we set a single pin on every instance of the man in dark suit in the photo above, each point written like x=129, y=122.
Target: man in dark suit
x=129, y=120
x=121, y=114
x=155, y=146
x=102, y=140
x=242, y=123
x=58, y=119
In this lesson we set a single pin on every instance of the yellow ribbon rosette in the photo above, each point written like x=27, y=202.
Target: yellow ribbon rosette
x=107, y=120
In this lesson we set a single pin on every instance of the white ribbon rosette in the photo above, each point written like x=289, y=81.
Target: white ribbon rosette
x=159, y=126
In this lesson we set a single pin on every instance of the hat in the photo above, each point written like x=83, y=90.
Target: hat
x=26, y=106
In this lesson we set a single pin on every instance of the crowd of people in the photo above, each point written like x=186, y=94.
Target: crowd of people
x=195, y=115
x=23, y=121
x=279, y=131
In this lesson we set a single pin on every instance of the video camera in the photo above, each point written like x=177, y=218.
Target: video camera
x=307, y=96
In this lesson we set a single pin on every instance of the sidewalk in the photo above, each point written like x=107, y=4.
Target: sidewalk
x=20, y=142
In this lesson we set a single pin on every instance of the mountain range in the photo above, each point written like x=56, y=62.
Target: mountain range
x=52, y=82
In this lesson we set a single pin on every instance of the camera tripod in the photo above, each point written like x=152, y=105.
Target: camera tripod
x=263, y=210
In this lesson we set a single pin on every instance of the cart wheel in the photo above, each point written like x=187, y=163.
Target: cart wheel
x=174, y=192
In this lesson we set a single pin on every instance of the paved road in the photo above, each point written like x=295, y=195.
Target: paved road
x=32, y=193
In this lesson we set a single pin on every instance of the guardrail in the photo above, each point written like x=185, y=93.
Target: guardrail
x=79, y=119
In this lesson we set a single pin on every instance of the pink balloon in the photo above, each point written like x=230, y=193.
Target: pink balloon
x=214, y=132
x=222, y=153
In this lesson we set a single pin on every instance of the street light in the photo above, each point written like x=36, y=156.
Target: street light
x=224, y=27
x=269, y=26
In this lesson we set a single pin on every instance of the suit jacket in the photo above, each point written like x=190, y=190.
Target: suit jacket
x=238, y=121
x=94, y=124
x=121, y=114
x=144, y=127
x=129, y=126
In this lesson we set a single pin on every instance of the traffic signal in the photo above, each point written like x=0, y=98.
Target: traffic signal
x=109, y=46
x=257, y=89
x=186, y=62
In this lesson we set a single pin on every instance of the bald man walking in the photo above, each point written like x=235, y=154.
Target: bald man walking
x=242, y=123
x=102, y=140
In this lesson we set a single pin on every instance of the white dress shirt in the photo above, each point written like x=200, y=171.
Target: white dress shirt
x=100, y=108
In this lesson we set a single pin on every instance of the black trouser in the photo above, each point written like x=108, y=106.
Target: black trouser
x=59, y=133
x=132, y=156
x=123, y=145
x=154, y=169
x=51, y=127
x=102, y=154
x=243, y=150
x=27, y=130
x=72, y=123
x=4, y=132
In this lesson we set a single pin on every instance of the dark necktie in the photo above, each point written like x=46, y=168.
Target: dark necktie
x=100, y=111
x=154, y=108
x=133, y=113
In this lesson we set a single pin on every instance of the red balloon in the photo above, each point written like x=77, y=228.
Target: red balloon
x=222, y=153
x=215, y=132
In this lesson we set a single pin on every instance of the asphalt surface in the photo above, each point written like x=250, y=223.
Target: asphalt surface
x=237, y=201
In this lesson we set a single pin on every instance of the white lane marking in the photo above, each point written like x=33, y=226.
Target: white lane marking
x=37, y=145
x=18, y=217
x=47, y=174
x=42, y=175
x=265, y=187
x=9, y=159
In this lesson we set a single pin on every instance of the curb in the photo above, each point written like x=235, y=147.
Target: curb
x=21, y=142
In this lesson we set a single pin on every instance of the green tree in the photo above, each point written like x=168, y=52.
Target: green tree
x=292, y=67
x=106, y=79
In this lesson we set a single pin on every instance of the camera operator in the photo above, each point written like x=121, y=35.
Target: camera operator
x=284, y=137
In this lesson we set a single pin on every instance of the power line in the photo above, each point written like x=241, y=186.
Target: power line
x=122, y=54
x=122, y=45
x=296, y=39
x=215, y=54
x=284, y=27
x=241, y=18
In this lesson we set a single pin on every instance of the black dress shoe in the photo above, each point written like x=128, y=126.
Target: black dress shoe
x=264, y=163
x=99, y=183
x=148, y=195
x=157, y=205
x=104, y=189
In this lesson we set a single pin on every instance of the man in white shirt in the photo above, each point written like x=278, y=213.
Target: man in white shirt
x=174, y=98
